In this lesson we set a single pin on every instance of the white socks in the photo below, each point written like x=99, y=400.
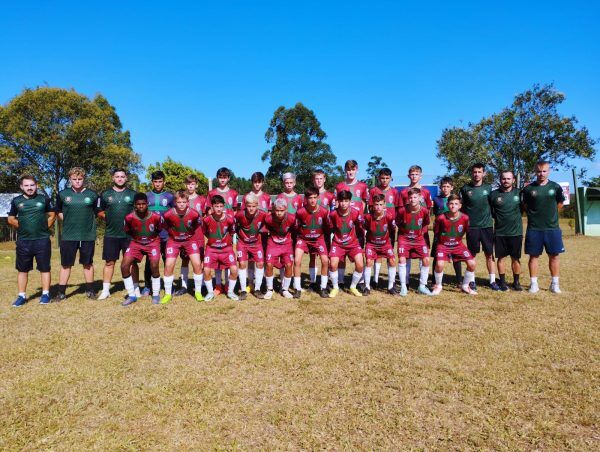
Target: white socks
x=402, y=274
x=324, y=282
x=269, y=282
x=356, y=277
x=185, y=273
x=285, y=285
x=391, y=276
x=106, y=287
x=438, y=278
x=231, y=285
x=368, y=271
x=155, y=286
x=376, y=274
x=243, y=276
x=312, y=271
x=209, y=286
x=424, y=275
x=198, y=282
x=469, y=278
x=334, y=279
x=554, y=280
x=492, y=278
x=168, y=280
x=129, y=286
x=259, y=273
x=297, y=282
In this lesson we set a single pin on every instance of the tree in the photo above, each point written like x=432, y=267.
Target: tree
x=593, y=182
x=47, y=131
x=175, y=174
x=375, y=164
x=529, y=130
x=298, y=146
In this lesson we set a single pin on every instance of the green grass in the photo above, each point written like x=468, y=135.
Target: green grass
x=498, y=371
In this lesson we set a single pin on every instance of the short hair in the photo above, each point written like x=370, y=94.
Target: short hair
x=217, y=199
x=223, y=172
x=385, y=172
x=453, y=197
x=378, y=198
x=156, y=175
x=507, y=171
x=415, y=168
x=251, y=198
x=344, y=195
x=288, y=176
x=76, y=171
x=413, y=191
x=30, y=177
x=257, y=177
x=118, y=170
x=542, y=163
x=350, y=164
x=139, y=196
x=280, y=203
x=319, y=171
x=310, y=191
x=478, y=165
x=191, y=178
x=446, y=180
x=182, y=194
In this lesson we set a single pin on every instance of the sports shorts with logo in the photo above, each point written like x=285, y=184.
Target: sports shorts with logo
x=138, y=250
x=458, y=253
x=417, y=249
x=219, y=258
x=316, y=246
x=279, y=254
x=253, y=252
x=379, y=251
x=27, y=250
x=176, y=248
x=341, y=251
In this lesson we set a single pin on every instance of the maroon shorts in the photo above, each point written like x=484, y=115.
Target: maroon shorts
x=458, y=253
x=181, y=248
x=280, y=254
x=138, y=250
x=218, y=258
x=250, y=252
x=413, y=250
x=316, y=246
x=379, y=251
x=341, y=251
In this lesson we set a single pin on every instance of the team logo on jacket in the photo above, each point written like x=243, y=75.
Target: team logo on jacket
x=151, y=227
x=460, y=228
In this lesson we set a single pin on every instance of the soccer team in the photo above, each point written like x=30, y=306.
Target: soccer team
x=354, y=223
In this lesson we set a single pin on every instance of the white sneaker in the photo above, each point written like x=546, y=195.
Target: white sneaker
x=534, y=288
x=103, y=295
x=554, y=288
x=233, y=296
x=268, y=295
x=138, y=294
x=286, y=294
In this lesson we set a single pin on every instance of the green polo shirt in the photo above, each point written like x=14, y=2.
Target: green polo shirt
x=541, y=203
x=32, y=214
x=506, y=210
x=476, y=204
x=79, y=214
x=116, y=205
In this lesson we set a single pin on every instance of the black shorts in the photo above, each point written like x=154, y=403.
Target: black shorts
x=40, y=249
x=483, y=236
x=508, y=246
x=113, y=247
x=68, y=250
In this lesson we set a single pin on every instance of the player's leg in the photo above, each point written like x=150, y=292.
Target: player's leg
x=259, y=274
x=210, y=294
x=86, y=259
x=24, y=264
x=501, y=264
x=334, y=261
x=126, y=263
x=110, y=253
x=473, y=236
x=155, y=281
x=424, y=274
x=196, y=261
x=367, y=273
x=377, y=270
x=288, y=268
x=324, y=273
x=43, y=257
x=168, y=276
x=269, y=278
x=554, y=266
x=242, y=272
x=487, y=245
x=68, y=251
x=469, y=277
x=312, y=269
x=516, y=270
x=298, y=253
x=391, y=263
x=358, y=259
x=438, y=272
x=233, y=276
x=534, y=245
x=403, y=269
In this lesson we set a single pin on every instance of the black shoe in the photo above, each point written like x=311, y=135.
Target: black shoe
x=324, y=293
x=502, y=286
x=90, y=294
x=314, y=287
x=366, y=291
x=59, y=297
x=517, y=287
x=473, y=286
x=393, y=291
x=179, y=292
x=243, y=295
x=297, y=293
x=258, y=294
x=495, y=286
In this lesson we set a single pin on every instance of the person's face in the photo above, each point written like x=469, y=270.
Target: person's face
x=257, y=185
x=454, y=206
x=312, y=201
x=181, y=204
x=319, y=180
x=28, y=187
x=477, y=174
x=76, y=181
x=446, y=189
x=414, y=176
x=251, y=208
x=379, y=207
x=141, y=207
x=351, y=173
x=158, y=185
x=507, y=180
x=119, y=179
x=223, y=181
x=414, y=200
x=344, y=204
x=218, y=209
x=384, y=180
x=542, y=172
x=280, y=212
x=289, y=185
x=191, y=187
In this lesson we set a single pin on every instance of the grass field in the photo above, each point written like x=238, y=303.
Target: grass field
x=498, y=371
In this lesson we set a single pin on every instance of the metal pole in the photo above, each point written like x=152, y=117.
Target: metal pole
x=578, y=219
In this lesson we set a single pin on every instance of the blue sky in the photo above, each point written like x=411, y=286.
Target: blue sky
x=199, y=81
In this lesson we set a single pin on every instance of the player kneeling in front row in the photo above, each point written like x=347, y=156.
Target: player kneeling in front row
x=219, y=229
x=380, y=225
x=280, y=224
x=449, y=229
x=412, y=221
x=144, y=227
x=249, y=222
x=311, y=223
x=343, y=222
x=181, y=223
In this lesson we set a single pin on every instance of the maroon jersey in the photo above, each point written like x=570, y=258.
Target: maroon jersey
x=449, y=232
x=325, y=199
x=144, y=230
x=280, y=233
x=360, y=194
x=344, y=226
x=294, y=202
x=378, y=230
x=391, y=195
x=218, y=232
x=200, y=204
x=311, y=225
x=229, y=195
x=248, y=229
x=425, y=197
x=182, y=227
x=264, y=201
x=411, y=225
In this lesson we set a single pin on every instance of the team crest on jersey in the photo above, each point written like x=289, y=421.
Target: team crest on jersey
x=499, y=200
x=164, y=202
x=21, y=205
x=385, y=227
x=485, y=192
x=39, y=204
x=87, y=200
x=151, y=227
x=533, y=193
x=320, y=220
x=460, y=228
x=551, y=191
x=357, y=192
x=470, y=193
x=420, y=222
x=516, y=198
x=110, y=198
x=68, y=199
x=127, y=198
x=391, y=198
x=194, y=246
x=189, y=224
